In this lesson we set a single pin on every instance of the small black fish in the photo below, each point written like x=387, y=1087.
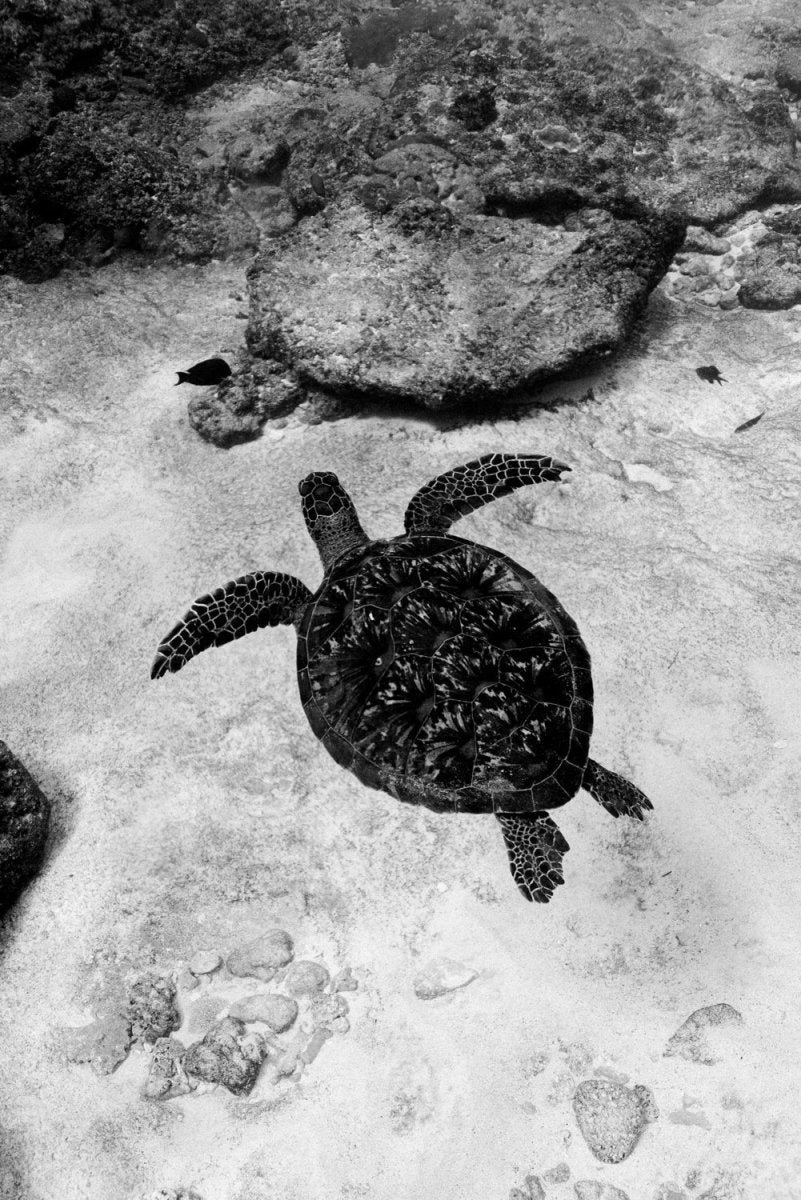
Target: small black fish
x=748, y=424
x=206, y=373
x=710, y=375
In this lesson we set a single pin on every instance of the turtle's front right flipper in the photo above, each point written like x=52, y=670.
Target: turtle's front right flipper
x=535, y=848
x=242, y=606
x=464, y=489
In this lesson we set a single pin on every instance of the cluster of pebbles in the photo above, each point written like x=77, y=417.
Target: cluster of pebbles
x=247, y=1029
x=708, y=268
x=611, y=1117
x=751, y=263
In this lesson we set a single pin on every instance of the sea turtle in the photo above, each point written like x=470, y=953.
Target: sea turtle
x=433, y=668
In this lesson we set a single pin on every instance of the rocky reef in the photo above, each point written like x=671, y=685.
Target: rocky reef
x=453, y=205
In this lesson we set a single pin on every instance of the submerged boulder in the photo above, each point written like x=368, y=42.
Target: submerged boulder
x=423, y=306
x=24, y=818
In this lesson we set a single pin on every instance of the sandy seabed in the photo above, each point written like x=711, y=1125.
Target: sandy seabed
x=198, y=811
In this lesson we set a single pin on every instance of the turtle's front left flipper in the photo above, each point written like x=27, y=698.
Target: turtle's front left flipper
x=535, y=848
x=464, y=489
x=242, y=606
x=613, y=792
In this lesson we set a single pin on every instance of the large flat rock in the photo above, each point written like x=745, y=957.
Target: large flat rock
x=419, y=305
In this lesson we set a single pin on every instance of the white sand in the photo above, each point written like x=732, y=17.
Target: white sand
x=195, y=812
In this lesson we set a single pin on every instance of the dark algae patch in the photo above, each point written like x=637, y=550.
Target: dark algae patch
x=89, y=112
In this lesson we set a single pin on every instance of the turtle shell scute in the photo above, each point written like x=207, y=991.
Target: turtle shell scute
x=520, y=741
x=504, y=622
x=346, y=669
x=395, y=712
x=424, y=621
x=334, y=608
x=445, y=747
x=384, y=582
x=464, y=666
x=468, y=572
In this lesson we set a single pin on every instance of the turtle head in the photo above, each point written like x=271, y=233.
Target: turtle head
x=330, y=516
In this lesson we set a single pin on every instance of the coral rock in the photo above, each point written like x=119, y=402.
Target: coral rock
x=151, y=1008
x=227, y=1055
x=279, y=1012
x=24, y=817
x=611, y=1117
x=305, y=977
x=262, y=957
x=692, y=1040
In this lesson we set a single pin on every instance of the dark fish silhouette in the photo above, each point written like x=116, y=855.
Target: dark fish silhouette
x=748, y=424
x=204, y=374
x=710, y=375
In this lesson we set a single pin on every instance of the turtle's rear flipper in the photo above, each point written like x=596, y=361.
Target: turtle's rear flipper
x=535, y=848
x=616, y=794
x=242, y=606
x=464, y=489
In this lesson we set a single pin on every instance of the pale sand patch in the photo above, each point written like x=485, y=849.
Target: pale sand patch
x=199, y=811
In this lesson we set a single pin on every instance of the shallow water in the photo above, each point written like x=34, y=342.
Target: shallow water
x=197, y=811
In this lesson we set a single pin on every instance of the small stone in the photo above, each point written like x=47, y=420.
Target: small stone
x=288, y=1062
x=166, y=1076
x=205, y=962
x=279, y=1012
x=558, y=1174
x=641, y=473
x=318, y=1040
x=325, y=1008
x=771, y=290
x=151, y=1008
x=516, y=1194
x=726, y=1186
x=695, y=266
x=262, y=957
x=343, y=981
x=590, y=1189
x=340, y=1025
x=305, y=977
x=186, y=981
x=24, y=817
x=103, y=1044
x=534, y=1188
x=692, y=1041
x=611, y=1117
x=729, y=299
x=441, y=975
x=227, y=1055
x=704, y=242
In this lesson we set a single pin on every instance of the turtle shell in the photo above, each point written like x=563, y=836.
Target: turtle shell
x=443, y=672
